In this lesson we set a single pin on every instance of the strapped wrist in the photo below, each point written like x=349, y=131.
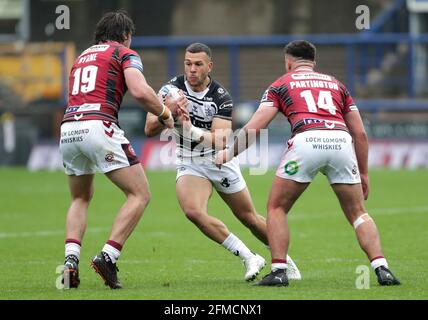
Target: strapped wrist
x=163, y=111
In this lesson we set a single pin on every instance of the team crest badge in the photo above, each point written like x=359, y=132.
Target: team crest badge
x=109, y=157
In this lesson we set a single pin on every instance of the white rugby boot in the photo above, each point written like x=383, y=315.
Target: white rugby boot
x=253, y=266
x=292, y=272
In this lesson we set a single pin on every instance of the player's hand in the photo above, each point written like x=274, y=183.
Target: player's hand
x=183, y=118
x=365, y=185
x=222, y=157
x=174, y=104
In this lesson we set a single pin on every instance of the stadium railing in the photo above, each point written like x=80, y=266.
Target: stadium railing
x=365, y=52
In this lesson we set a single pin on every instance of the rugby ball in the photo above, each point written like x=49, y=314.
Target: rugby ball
x=170, y=89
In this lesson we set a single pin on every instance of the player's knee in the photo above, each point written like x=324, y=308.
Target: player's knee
x=193, y=214
x=145, y=198
x=141, y=200
x=84, y=197
x=273, y=208
x=353, y=211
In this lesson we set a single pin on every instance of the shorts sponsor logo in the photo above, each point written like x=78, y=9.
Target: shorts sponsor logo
x=291, y=167
x=72, y=140
x=234, y=181
x=336, y=147
x=76, y=132
x=354, y=170
x=109, y=157
x=329, y=143
x=225, y=182
x=73, y=136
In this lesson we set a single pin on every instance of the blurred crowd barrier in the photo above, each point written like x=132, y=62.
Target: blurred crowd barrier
x=36, y=71
x=160, y=155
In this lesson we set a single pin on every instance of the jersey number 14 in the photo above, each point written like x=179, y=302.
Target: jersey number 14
x=325, y=101
x=84, y=79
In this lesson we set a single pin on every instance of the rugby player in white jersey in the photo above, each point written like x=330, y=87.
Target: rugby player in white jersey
x=208, y=106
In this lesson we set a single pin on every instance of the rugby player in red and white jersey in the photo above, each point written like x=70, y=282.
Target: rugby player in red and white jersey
x=92, y=141
x=328, y=136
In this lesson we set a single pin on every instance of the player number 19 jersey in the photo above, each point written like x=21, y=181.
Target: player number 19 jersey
x=97, y=82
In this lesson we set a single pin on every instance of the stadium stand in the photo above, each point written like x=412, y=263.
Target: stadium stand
x=383, y=67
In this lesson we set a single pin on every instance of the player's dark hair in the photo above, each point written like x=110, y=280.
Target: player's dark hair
x=199, y=47
x=114, y=26
x=301, y=49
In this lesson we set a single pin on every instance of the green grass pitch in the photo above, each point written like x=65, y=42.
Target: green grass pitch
x=168, y=258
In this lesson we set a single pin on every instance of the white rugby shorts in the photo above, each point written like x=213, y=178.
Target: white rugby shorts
x=228, y=179
x=94, y=146
x=328, y=151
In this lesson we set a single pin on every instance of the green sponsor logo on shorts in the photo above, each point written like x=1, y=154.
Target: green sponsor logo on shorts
x=291, y=167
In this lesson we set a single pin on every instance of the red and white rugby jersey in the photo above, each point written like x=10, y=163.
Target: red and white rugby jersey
x=310, y=100
x=97, y=82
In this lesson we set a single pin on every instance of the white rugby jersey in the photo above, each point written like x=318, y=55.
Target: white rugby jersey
x=203, y=107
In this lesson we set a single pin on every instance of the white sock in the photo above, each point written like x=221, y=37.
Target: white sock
x=72, y=248
x=237, y=247
x=112, y=252
x=376, y=263
x=276, y=266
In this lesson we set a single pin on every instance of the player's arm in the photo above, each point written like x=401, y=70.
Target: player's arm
x=146, y=96
x=361, y=145
x=247, y=135
x=221, y=129
x=153, y=126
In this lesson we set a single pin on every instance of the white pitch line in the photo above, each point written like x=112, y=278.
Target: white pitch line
x=295, y=215
x=374, y=211
x=44, y=233
x=49, y=233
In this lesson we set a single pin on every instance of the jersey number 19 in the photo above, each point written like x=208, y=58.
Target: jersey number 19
x=84, y=79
